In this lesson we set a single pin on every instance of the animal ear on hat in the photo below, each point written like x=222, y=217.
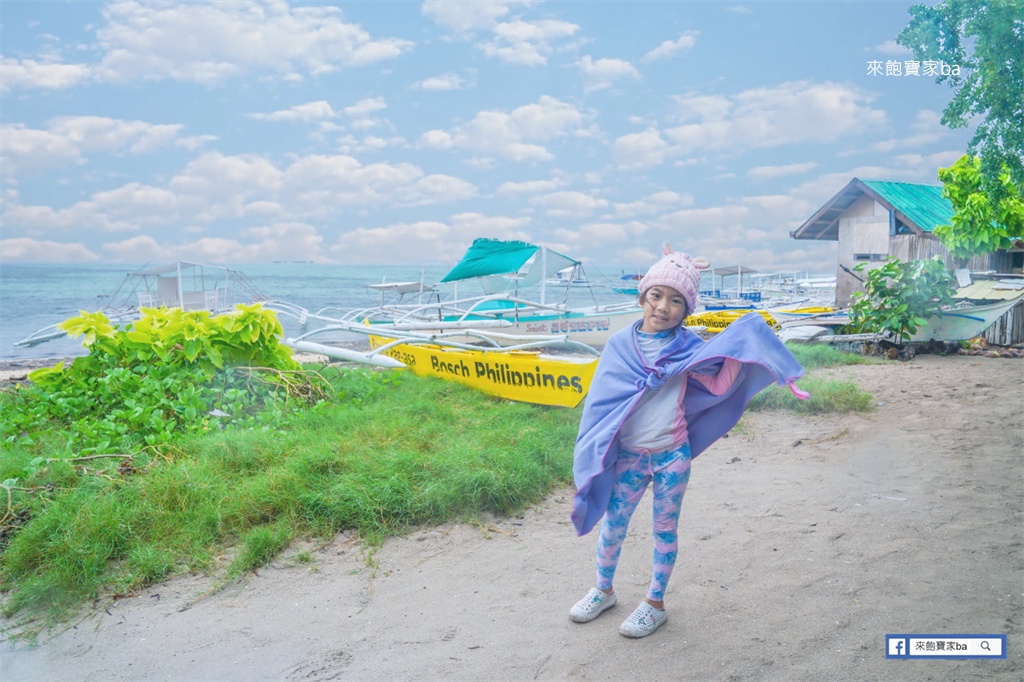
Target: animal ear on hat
x=666, y=249
x=701, y=263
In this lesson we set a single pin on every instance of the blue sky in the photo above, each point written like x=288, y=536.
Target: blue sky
x=397, y=132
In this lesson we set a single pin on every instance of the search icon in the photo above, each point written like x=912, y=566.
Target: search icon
x=985, y=645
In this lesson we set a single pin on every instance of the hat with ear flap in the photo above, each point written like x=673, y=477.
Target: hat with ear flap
x=676, y=270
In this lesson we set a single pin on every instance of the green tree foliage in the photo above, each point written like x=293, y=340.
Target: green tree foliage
x=985, y=38
x=978, y=225
x=898, y=296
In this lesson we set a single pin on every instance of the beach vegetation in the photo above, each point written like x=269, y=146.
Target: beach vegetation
x=388, y=452
x=818, y=355
x=828, y=395
x=899, y=295
x=170, y=372
x=379, y=453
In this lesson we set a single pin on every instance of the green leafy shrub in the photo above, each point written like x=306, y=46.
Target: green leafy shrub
x=170, y=372
x=898, y=296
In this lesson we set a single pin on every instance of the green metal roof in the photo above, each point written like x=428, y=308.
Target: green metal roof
x=919, y=207
x=924, y=205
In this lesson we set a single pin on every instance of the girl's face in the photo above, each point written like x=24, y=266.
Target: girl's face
x=664, y=308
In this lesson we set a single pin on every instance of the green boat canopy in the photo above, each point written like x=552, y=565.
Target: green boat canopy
x=495, y=257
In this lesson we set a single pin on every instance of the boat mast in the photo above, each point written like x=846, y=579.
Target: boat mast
x=181, y=292
x=543, y=274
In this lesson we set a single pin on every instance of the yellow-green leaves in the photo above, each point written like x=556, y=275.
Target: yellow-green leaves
x=91, y=325
x=169, y=372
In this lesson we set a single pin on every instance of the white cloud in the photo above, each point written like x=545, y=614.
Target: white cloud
x=513, y=135
x=435, y=189
x=30, y=73
x=762, y=117
x=442, y=83
x=602, y=73
x=70, y=139
x=425, y=241
x=350, y=145
x=216, y=189
x=526, y=43
x=472, y=225
x=569, y=204
x=366, y=107
x=141, y=249
x=587, y=235
x=926, y=128
x=303, y=113
x=277, y=241
x=640, y=150
x=528, y=187
x=510, y=39
x=702, y=106
x=43, y=251
x=684, y=43
x=27, y=150
x=891, y=47
x=280, y=241
x=465, y=17
x=210, y=43
x=362, y=113
x=653, y=203
x=130, y=208
x=772, y=172
x=420, y=242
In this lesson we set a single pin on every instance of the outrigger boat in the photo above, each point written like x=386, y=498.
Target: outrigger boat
x=962, y=323
x=972, y=314
x=504, y=269
x=181, y=284
x=502, y=365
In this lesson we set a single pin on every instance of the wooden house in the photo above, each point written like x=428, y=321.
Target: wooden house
x=873, y=220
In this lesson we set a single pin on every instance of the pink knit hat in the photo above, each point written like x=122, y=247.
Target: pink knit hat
x=679, y=271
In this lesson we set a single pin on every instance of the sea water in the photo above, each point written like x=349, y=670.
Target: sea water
x=34, y=296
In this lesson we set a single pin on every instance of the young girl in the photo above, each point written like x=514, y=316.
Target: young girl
x=660, y=397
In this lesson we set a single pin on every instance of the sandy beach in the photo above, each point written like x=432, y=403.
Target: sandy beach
x=804, y=541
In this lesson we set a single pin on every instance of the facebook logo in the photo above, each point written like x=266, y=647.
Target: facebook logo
x=896, y=646
x=918, y=647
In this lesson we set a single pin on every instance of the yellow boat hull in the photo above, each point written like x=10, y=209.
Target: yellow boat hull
x=718, y=320
x=523, y=376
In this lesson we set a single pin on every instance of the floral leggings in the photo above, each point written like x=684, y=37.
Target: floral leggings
x=670, y=471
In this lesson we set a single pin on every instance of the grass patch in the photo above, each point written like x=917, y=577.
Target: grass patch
x=390, y=452
x=393, y=451
x=816, y=355
x=828, y=396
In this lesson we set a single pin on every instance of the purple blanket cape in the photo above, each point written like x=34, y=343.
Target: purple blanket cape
x=622, y=378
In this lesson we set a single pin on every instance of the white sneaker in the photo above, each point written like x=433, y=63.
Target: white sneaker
x=591, y=606
x=643, y=621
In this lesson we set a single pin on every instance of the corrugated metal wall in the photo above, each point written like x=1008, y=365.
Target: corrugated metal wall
x=919, y=247
x=1008, y=329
